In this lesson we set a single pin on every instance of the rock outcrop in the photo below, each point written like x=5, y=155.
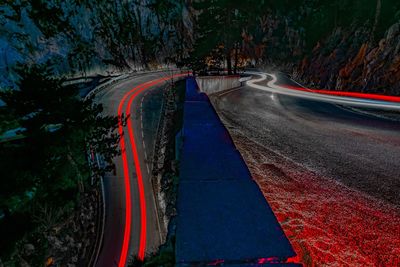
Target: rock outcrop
x=353, y=63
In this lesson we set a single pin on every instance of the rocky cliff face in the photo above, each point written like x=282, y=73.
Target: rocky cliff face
x=336, y=45
x=92, y=36
x=348, y=61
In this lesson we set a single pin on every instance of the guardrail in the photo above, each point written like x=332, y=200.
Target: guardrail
x=121, y=78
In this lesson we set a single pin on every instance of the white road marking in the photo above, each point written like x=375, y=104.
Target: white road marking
x=148, y=170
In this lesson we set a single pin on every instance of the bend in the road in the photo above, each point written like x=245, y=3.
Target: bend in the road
x=130, y=95
x=347, y=98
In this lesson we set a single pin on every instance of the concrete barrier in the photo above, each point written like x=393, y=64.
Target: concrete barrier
x=222, y=216
x=214, y=84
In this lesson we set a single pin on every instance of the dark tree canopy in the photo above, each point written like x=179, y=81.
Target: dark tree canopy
x=49, y=164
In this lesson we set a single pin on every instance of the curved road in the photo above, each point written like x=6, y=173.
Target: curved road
x=131, y=223
x=331, y=172
x=358, y=147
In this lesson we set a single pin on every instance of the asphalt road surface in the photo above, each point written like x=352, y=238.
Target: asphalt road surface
x=121, y=240
x=357, y=147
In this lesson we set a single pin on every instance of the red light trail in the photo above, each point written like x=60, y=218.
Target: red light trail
x=347, y=94
x=336, y=97
x=327, y=223
x=128, y=197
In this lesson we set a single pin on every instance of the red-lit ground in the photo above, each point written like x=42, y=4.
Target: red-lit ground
x=327, y=223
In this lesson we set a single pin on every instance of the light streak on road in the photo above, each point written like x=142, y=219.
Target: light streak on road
x=128, y=197
x=336, y=97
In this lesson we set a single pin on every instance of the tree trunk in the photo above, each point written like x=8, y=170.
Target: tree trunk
x=236, y=58
x=229, y=61
x=181, y=40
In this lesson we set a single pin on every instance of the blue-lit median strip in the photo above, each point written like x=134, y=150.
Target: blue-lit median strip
x=222, y=215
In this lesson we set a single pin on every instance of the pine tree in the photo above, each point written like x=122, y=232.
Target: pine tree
x=49, y=166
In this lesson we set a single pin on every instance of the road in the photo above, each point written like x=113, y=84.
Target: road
x=331, y=172
x=131, y=221
x=358, y=147
x=348, y=145
x=272, y=83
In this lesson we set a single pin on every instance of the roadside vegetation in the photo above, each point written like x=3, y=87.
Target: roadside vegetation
x=46, y=174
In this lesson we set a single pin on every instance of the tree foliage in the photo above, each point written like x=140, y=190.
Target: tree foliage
x=49, y=166
x=220, y=24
